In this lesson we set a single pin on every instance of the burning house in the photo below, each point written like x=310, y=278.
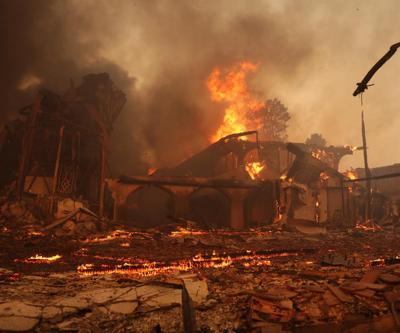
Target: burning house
x=238, y=182
x=218, y=187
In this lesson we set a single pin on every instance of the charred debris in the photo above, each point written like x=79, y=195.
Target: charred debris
x=244, y=236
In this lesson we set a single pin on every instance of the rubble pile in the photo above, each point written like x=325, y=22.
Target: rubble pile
x=21, y=218
x=340, y=281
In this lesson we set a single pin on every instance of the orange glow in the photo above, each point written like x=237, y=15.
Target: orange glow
x=114, y=235
x=142, y=268
x=37, y=258
x=230, y=86
x=319, y=154
x=323, y=176
x=350, y=174
x=151, y=171
x=254, y=169
x=368, y=226
x=183, y=232
x=352, y=148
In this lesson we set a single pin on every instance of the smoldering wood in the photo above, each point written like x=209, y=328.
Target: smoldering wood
x=70, y=216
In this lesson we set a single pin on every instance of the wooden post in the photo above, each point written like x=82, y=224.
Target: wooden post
x=344, y=215
x=27, y=145
x=367, y=171
x=102, y=177
x=56, y=169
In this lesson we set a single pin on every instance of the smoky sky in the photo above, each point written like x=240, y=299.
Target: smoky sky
x=311, y=54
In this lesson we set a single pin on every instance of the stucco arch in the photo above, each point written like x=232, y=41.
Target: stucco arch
x=148, y=206
x=209, y=207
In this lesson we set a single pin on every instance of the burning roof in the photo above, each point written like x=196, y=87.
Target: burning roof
x=306, y=168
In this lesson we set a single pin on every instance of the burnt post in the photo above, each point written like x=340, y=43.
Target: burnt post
x=367, y=170
x=27, y=145
x=56, y=170
x=102, y=176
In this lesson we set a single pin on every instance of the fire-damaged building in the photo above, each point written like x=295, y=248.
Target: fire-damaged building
x=59, y=145
x=238, y=182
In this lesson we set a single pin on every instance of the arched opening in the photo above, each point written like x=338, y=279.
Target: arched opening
x=209, y=207
x=260, y=206
x=148, y=207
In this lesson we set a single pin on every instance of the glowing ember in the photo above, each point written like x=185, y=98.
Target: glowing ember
x=231, y=87
x=319, y=154
x=350, y=174
x=115, y=235
x=385, y=261
x=323, y=176
x=254, y=169
x=36, y=233
x=140, y=267
x=182, y=232
x=151, y=171
x=317, y=210
x=352, y=148
x=40, y=259
x=368, y=226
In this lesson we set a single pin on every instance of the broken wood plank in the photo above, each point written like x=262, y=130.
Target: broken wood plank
x=371, y=276
x=375, y=286
x=392, y=297
x=364, y=293
x=354, y=286
x=264, y=306
x=389, y=278
x=70, y=216
x=330, y=299
x=340, y=294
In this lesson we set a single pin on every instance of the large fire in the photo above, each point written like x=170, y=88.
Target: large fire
x=230, y=86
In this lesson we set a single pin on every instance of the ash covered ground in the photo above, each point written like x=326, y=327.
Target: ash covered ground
x=277, y=278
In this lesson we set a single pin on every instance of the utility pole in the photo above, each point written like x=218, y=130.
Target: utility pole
x=367, y=171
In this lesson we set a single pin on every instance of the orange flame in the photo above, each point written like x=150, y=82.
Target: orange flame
x=143, y=268
x=351, y=174
x=37, y=258
x=254, y=169
x=151, y=171
x=230, y=86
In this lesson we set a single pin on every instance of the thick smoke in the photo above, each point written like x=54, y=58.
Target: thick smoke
x=311, y=53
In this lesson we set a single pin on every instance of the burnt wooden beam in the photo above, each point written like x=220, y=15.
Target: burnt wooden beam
x=363, y=85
